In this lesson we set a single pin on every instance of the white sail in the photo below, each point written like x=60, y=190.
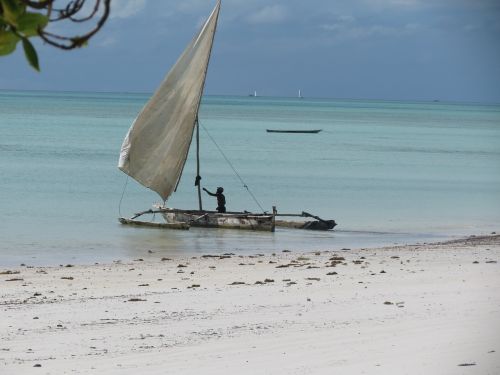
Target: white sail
x=156, y=146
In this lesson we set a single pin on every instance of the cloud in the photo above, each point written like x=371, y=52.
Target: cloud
x=269, y=14
x=348, y=27
x=192, y=6
x=392, y=3
x=126, y=8
x=107, y=41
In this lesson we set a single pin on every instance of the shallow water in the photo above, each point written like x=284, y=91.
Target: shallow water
x=387, y=172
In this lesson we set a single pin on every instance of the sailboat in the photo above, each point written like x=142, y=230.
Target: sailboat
x=156, y=147
x=300, y=95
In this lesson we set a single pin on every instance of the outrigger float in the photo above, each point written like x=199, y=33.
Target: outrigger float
x=156, y=147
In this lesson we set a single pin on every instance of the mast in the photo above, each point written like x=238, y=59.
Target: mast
x=198, y=178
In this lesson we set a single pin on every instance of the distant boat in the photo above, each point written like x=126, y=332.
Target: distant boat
x=300, y=95
x=254, y=94
x=313, y=131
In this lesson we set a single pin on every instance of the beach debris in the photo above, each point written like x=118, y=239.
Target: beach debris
x=212, y=267
x=36, y=317
x=269, y=281
x=165, y=259
x=388, y=303
x=303, y=259
x=337, y=258
x=286, y=251
x=181, y=266
x=311, y=267
x=317, y=253
x=139, y=260
x=291, y=283
x=143, y=285
x=136, y=300
x=357, y=261
x=150, y=251
x=491, y=261
x=286, y=279
x=345, y=249
x=467, y=364
x=331, y=273
x=37, y=365
x=383, y=271
x=36, y=294
x=313, y=278
x=259, y=282
x=475, y=262
x=394, y=257
x=69, y=265
x=15, y=279
x=8, y=272
x=194, y=286
x=67, y=278
x=272, y=262
x=237, y=283
x=283, y=265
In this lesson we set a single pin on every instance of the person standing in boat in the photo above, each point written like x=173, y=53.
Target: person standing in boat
x=221, y=199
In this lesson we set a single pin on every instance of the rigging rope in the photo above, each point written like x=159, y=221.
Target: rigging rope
x=232, y=167
x=123, y=192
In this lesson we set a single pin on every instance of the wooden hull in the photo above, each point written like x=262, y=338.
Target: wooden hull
x=211, y=219
x=178, y=225
x=310, y=225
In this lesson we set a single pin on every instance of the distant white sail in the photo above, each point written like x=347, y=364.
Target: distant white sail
x=156, y=146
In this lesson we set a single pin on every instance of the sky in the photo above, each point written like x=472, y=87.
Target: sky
x=445, y=50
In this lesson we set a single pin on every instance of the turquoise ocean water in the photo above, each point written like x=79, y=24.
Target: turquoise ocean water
x=387, y=172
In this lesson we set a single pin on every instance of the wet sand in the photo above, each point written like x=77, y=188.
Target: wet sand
x=416, y=309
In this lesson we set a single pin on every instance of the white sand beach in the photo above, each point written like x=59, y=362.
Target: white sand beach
x=416, y=309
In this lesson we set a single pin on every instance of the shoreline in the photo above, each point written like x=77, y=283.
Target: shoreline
x=137, y=242
x=423, y=308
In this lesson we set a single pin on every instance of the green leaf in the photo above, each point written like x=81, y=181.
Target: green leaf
x=29, y=22
x=11, y=10
x=30, y=54
x=8, y=42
